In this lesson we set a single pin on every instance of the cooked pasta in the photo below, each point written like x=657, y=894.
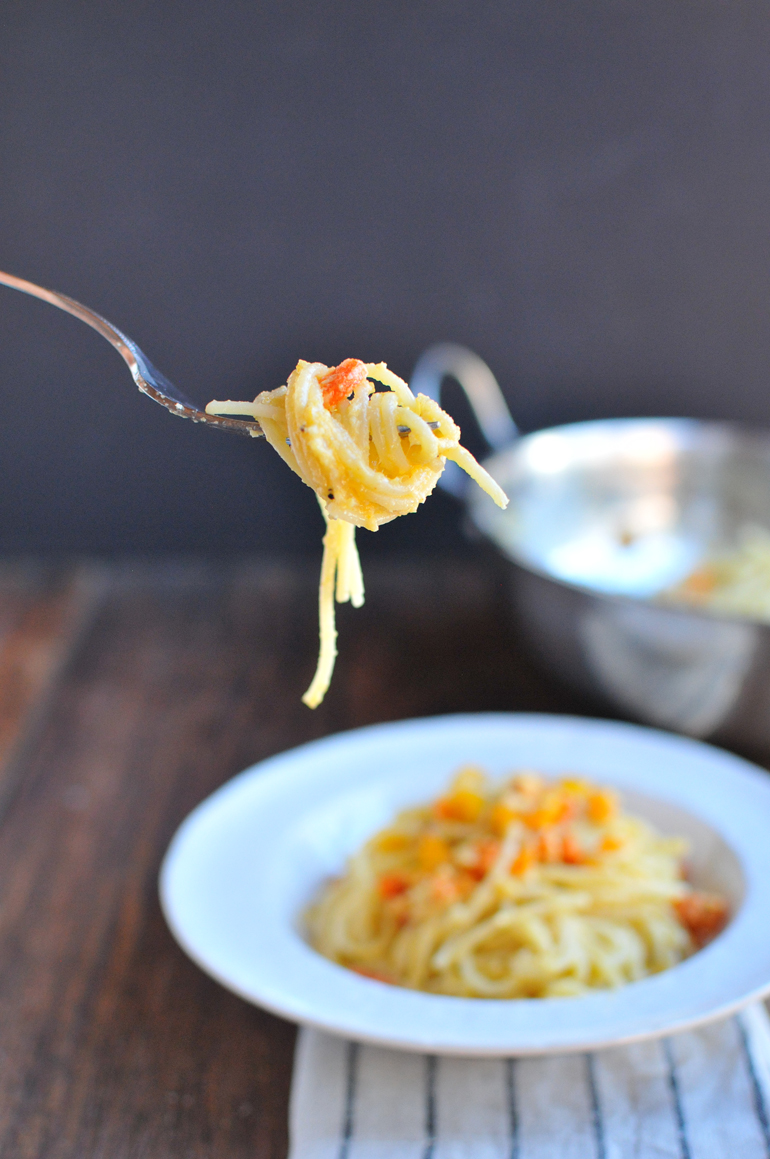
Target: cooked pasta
x=369, y=455
x=527, y=889
x=735, y=581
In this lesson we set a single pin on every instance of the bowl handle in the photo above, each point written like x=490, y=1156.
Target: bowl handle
x=447, y=359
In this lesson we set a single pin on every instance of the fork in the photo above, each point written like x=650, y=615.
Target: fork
x=149, y=380
x=437, y=362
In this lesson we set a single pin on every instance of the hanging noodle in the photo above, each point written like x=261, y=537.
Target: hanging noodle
x=369, y=455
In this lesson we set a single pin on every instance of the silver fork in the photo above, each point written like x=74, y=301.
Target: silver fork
x=149, y=380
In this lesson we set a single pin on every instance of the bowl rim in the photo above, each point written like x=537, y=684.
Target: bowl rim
x=483, y=517
x=203, y=893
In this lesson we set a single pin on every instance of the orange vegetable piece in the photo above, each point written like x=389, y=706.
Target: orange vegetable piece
x=610, y=843
x=700, y=582
x=466, y=883
x=553, y=807
x=486, y=856
x=602, y=806
x=575, y=786
x=432, y=851
x=501, y=817
x=340, y=381
x=392, y=884
x=376, y=975
x=462, y=805
x=703, y=915
x=444, y=888
x=571, y=852
x=390, y=842
x=523, y=861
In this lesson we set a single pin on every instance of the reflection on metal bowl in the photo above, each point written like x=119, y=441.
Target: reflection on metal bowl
x=604, y=518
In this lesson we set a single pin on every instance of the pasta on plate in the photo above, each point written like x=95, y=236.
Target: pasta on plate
x=526, y=889
x=735, y=581
x=370, y=455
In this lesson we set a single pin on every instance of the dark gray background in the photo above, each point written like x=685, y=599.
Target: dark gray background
x=579, y=191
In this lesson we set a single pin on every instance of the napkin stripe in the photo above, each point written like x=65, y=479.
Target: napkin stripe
x=673, y=1082
x=351, y=1077
x=430, y=1106
x=597, y=1117
x=513, y=1114
x=676, y=1097
x=760, y=1107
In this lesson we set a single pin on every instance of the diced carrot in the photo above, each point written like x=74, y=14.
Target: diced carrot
x=571, y=851
x=432, y=851
x=610, y=843
x=500, y=818
x=486, y=852
x=703, y=915
x=602, y=806
x=339, y=381
x=700, y=582
x=575, y=786
x=392, y=884
x=523, y=861
x=466, y=883
x=462, y=805
x=553, y=807
x=444, y=887
x=375, y=975
x=390, y=841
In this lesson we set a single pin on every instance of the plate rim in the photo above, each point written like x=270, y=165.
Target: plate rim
x=289, y=1010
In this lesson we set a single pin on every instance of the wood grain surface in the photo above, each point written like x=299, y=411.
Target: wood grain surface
x=127, y=694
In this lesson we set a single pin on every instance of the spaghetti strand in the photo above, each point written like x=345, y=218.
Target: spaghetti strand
x=369, y=455
x=529, y=888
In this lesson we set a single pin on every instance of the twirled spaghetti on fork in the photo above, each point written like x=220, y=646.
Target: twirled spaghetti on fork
x=369, y=455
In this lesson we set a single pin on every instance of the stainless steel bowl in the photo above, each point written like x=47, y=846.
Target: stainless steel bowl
x=604, y=517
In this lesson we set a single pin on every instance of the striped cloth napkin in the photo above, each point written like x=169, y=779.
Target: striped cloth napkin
x=699, y=1095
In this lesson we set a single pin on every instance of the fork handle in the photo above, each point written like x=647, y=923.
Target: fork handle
x=146, y=376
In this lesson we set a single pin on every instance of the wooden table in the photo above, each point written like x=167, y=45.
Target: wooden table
x=127, y=694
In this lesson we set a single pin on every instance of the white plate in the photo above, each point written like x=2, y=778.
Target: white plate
x=244, y=864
